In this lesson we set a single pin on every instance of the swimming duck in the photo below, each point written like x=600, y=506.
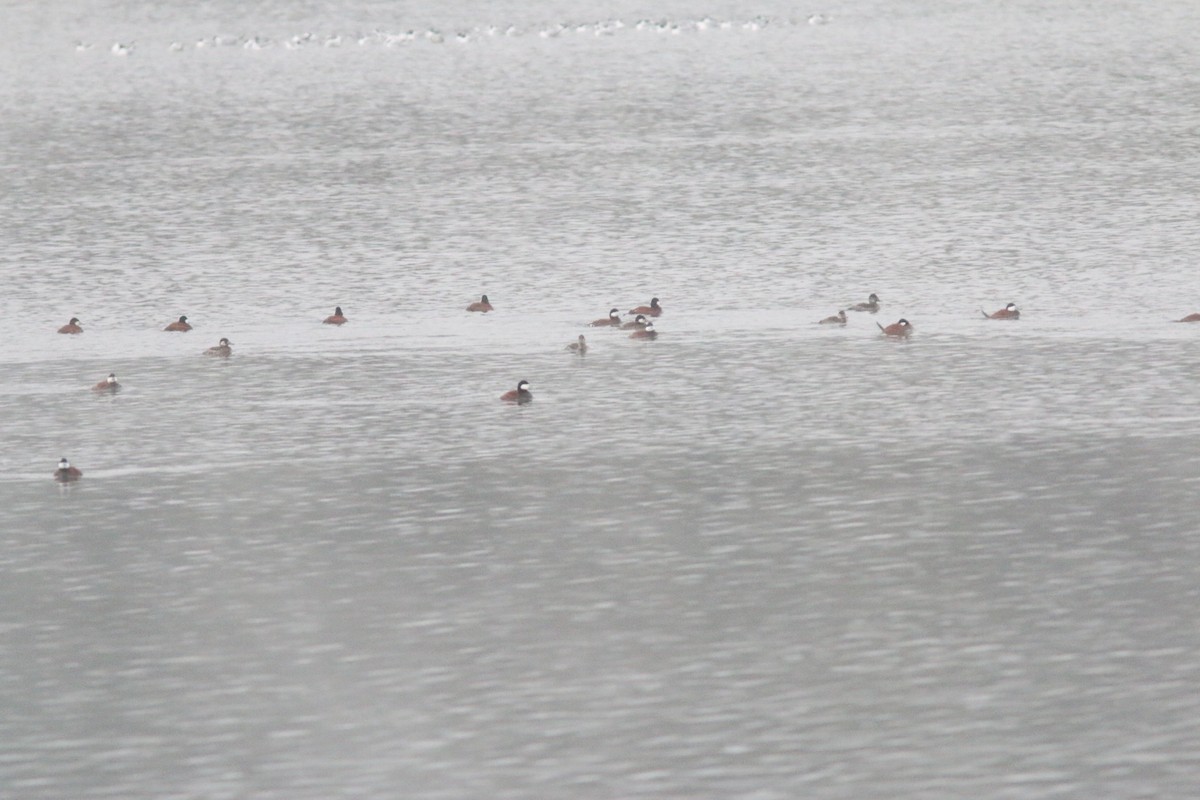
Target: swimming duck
x=613, y=319
x=1010, y=311
x=638, y=323
x=71, y=327
x=66, y=472
x=337, y=318
x=900, y=328
x=1188, y=318
x=837, y=319
x=483, y=305
x=521, y=394
x=222, y=349
x=580, y=346
x=180, y=324
x=109, y=384
x=871, y=305
x=653, y=310
x=647, y=332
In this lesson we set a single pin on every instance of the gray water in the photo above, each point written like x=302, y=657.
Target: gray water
x=754, y=558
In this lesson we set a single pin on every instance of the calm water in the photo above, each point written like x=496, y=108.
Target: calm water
x=755, y=558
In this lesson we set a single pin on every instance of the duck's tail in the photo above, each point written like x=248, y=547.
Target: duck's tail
x=986, y=315
x=881, y=327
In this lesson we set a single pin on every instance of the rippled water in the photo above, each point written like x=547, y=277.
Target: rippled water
x=756, y=557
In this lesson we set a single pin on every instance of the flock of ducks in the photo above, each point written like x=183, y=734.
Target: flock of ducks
x=384, y=38
x=640, y=327
x=222, y=349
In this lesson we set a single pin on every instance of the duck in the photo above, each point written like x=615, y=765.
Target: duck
x=612, y=320
x=483, y=305
x=901, y=328
x=837, y=319
x=71, y=327
x=647, y=332
x=580, y=346
x=66, y=472
x=521, y=394
x=180, y=324
x=871, y=305
x=653, y=310
x=638, y=323
x=336, y=318
x=222, y=349
x=109, y=384
x=1010, y=311
x=1188, y=318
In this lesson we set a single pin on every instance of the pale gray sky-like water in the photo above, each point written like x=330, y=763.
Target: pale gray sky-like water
x=757, y=557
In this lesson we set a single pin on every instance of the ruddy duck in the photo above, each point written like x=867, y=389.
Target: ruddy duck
x=221, y=349
x=580, y=346
x=66, y=472
x=638, y=323
x=1010, y=311
x=1188, y=318
x=871, y=305
x=837, y=319
x=654, y=309
x=613, y=319
x=180, y=324
x=901, y=328
x=647, y=332
x=483, y=305
x=71, y=327
x=109, y=384
x=336, y=318
x=521, y=394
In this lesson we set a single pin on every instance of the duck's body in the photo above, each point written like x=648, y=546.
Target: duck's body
x=66, y=472
x=652, y=310
x=222, y=349
x=521, y=394
x=1010, y=311
x=336, y=318
x=871, y=306
x=647, y=332
x=579, y=346
x=1188, y=318
x=483, y=305
x=71, y=327
x=837, y=319
x=109, y=384
x=638, y=323
x=612, y=320
x=180, y=325
x=901, y=328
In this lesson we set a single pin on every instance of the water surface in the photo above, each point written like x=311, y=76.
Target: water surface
x=756, y=557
